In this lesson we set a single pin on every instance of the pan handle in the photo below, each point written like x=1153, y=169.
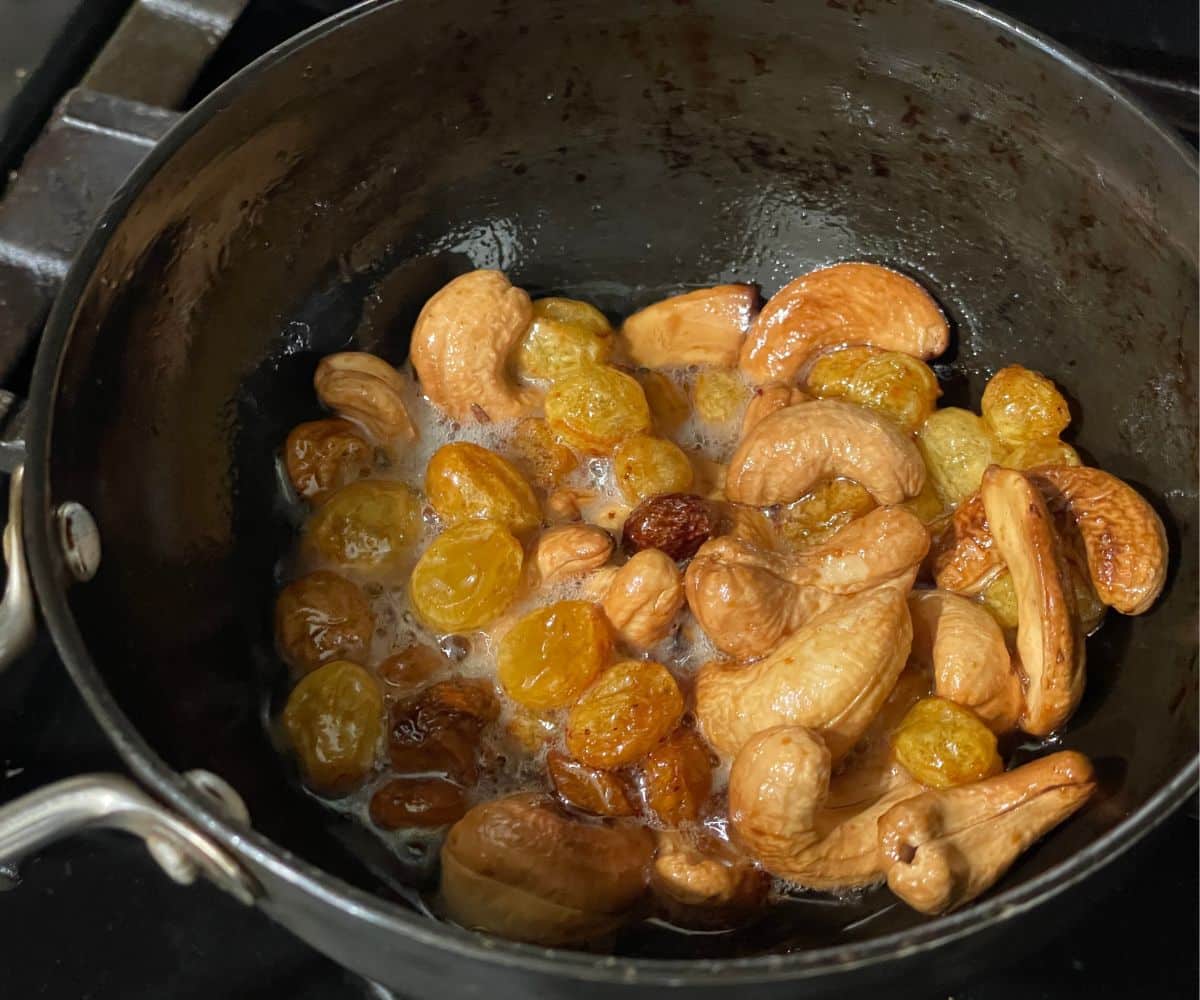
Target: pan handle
x=112, y=802
x=18, y=624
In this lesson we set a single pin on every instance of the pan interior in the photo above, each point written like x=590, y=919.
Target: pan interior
x=593, y=150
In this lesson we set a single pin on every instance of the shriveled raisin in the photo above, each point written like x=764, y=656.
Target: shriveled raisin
x=675, y=523
x=588, y=789
x=322, y=455
x=676, y=777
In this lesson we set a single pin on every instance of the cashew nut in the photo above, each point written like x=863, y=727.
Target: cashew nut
x=703, y=882
x=943, y=848
x=570, y=550
x=704, y=327
x=793, y=449
x=1122, y=536
x=1049, y=642
x=768, y=399
x=461, y=343
x=748, y=598
x=778, y=789
x=966, y=650
x=965, y=558
x=843, y=305
x=747, y=524
x=643, y=598
x=831, y=675
x=367, y=390
x=520, y=867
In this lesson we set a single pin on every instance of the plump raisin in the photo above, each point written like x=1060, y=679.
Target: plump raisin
x=553, y=653
x=1000, y=598
x=1020, y=406
x=465, y=482
x=668, y=403
x=942, y=744
x=333, y=719
x=1041, y=451
x=645, y=466
x=595, y=408
x=404, y=803
x=322, y=455
x=957, y=447
x=367, y=527
x=564, y=336
x=719, y=396
x=322, y=617
x=467, y=577
x=414, y=667
x=676, y=778
x=898, y=386
x=628, y=710
x=541, y=455
x=588, y=789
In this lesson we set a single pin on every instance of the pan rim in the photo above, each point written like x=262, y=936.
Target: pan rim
x=299, y=874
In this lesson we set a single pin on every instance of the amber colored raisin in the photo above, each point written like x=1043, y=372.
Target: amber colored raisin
x=529, y=730
x=719, y=395
x=645, y=466
x=957, y=447
x=668, y=403
x=628, y=710
x=595, y=408
x=322, y=617
x=412, y=668
x=898, y=386
x=676, y=778
x=588, y=789
x=926, y=505
x=467, y=577
x=1041, y=451
x=367, y=527
x=333, y=720
x=404, y=803
x=553, y=653
x=464, y=481
x=1000, y=598
x=942, y=744
x=322, y=455
x=821, y=512
x=438, y=731
x=1020, y=406
x=564, y=336
x=540, y=454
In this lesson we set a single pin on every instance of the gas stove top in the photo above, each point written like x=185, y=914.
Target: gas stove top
x=94, y=917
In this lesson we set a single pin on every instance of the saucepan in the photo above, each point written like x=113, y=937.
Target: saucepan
x=611, y=151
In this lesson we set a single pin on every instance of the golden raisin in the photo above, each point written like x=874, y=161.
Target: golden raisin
x=1020, y=405
x=333, y=719
x=719, y=395
x=588, y=789
x=413, y=667
x=322, y=617
x=404, y=803
x=628, y=710
x=820, y=513
x=957, y=447
x=553, y=653
x=645, y=466
x=926, y=505
x=322, y=455
x=897, y=386
x=942, y=744
x=367, y=527
x=1000, y=598
x=676, y=778
x=1042, y=451
x=564, y=336
x=668, y=403
x=530, y=730
x=541, y=455
x=467, y=577
x=1088, y=605
x=465, y=482
x=594, y=408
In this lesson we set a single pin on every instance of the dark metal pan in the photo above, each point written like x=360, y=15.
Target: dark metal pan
x=611, y=151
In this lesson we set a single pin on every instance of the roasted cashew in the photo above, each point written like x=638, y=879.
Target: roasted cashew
x=367, y=390
x=704, y=327
x=943, y=848
x=779, y=787
x=965, y=647
x=461, y=343
x=747, y=524
x=1122, y=536
x=703, y=882
x=1049, y=642
x=570, y=550
x=965, y=558
x=831, y=675
x=748, y=598
x=520, y=867
x=793, y=449
x=843, y=305
x=643, y=598
x=768, y=399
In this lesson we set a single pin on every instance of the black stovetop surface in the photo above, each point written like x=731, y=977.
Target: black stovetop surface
x=95, y=918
